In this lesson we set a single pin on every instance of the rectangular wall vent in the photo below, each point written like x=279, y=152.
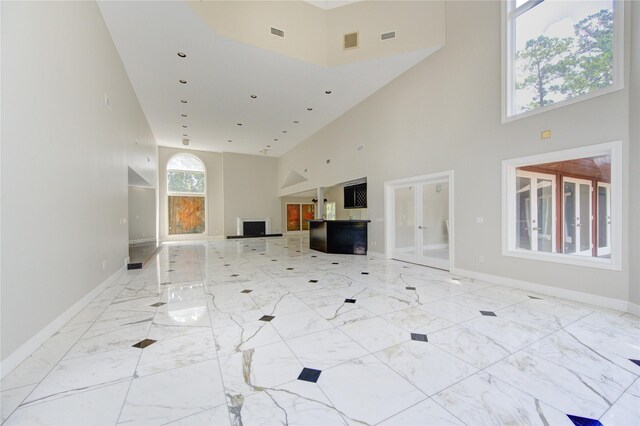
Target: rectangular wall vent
x=388, y=35
x=351, y=40
x=277, y=32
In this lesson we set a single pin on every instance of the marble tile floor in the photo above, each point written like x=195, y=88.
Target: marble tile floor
x=267, y=332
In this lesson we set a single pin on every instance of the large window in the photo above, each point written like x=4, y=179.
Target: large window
x=186, y=191
x=564, y=206
x=558, y=51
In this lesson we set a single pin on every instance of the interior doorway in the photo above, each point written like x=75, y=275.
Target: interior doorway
x=419, y=220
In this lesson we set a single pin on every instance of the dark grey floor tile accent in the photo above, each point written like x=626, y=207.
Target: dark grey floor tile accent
x=349, y=300
x=313, y=281
x=144, y=343
x=419, y=337
x=534, y=297
x=364, y=273
x=410, y=288
x=309, y=375
x=158, y=304
x=267, y=318
x=289, y=269
x=488, y=313
x=246, y=291
x=234, y=275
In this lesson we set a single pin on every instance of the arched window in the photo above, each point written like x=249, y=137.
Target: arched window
x=186, y=191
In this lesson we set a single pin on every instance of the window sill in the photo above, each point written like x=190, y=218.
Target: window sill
x=566, y=102
x=566, y=259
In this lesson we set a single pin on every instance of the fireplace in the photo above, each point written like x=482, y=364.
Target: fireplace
x=253, y=227
x=257, y=229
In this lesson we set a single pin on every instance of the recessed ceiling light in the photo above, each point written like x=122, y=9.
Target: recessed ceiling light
x=184, y=127
x=239, y=124
x=183, y=81
x=295, y=121
x=183, y=115
x=182, y=55
x=309, y=109
x=328, y=92
x=275, y=140
x=229, y=141
x=268, y=146
x=253, y=96
x=184, y=101
x=284, y=131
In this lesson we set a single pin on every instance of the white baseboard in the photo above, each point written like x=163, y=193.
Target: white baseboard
x=23, y=352
x=142, y=240
x=634, y=309
x=591, y=299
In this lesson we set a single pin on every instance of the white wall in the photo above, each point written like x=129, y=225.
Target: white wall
x=445, y=114
x=250, y=191
x=64, y=161
x=214, y=209
x=142, y=213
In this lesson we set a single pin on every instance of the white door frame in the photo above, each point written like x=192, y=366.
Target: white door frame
x=578, y=223
x=389, y=209
x=601, y=251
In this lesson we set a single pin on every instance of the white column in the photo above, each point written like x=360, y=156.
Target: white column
x=320, y=206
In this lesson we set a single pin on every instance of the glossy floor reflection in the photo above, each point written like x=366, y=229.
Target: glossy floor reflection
x=264, y=332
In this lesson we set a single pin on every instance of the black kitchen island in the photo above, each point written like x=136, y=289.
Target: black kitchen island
x=338, y=236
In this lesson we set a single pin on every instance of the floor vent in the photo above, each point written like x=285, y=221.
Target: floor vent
x=351, y=40
x=388, y=35
x=277, y=32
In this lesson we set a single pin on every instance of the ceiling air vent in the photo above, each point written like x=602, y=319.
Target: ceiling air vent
x=388, y=35
x=351, y=40
x=277, y=32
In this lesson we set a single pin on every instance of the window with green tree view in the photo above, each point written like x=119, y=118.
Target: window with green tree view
x=558, y=51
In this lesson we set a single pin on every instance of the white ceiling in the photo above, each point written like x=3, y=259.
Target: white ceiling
x=221, y=75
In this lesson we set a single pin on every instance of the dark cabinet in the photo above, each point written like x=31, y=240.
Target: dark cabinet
x=355, y=196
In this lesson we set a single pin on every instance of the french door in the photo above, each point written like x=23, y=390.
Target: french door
x=578, y=216
x=419, y=229
x=604, y=219
x=535, y=211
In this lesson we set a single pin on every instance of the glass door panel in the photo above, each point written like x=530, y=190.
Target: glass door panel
x=570, y=201
x=405, y=224
x=535, y=211
x=585, y=219
x=604, y=219
x=434, y=227
x=577, y=216
x=523, y=208
x=545, y=225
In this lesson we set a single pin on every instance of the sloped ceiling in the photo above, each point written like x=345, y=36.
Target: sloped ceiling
x=222, y=74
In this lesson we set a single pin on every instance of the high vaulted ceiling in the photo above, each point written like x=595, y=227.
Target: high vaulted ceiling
x=239, y=97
